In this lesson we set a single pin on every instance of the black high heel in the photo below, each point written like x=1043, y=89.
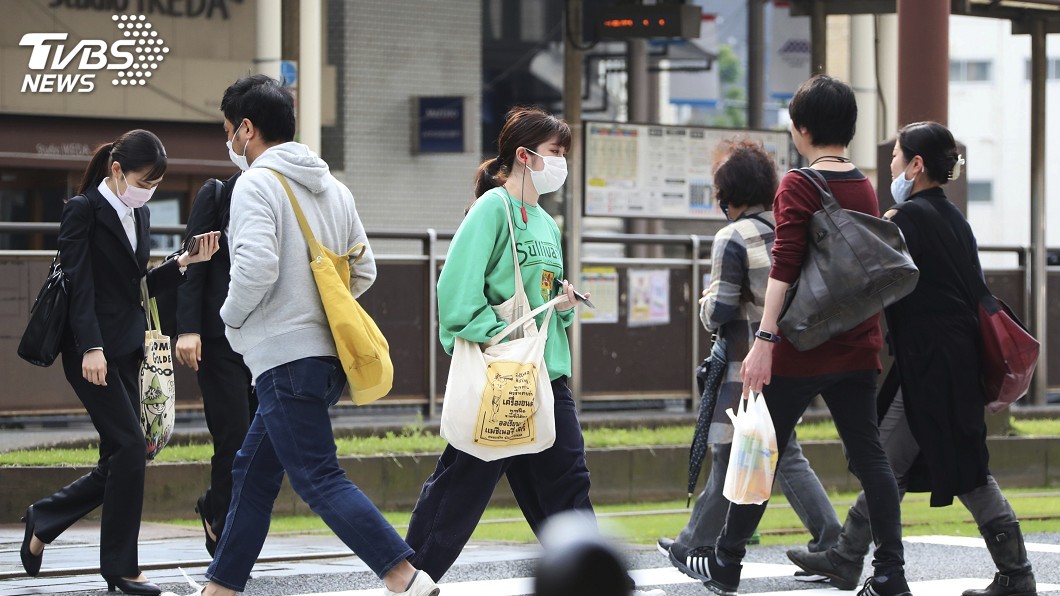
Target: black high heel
x=200, y=508
x=127, y=586
x=30, y=562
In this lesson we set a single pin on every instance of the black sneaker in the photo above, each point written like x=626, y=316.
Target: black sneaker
x=884, y=585
x=723, y=580
x=842, y=573
x=691, y=562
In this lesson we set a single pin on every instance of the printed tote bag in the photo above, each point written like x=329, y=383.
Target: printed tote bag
x=498, y=399
x=157, y=386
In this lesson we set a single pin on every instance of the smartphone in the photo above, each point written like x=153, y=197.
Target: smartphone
x=193, y=242
x=558, y=284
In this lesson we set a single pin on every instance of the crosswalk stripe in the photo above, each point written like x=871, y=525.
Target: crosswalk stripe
x=1032, y=547
x=925, y=588
x=665, y=576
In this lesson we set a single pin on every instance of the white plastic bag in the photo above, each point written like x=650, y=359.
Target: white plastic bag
x=753, y=458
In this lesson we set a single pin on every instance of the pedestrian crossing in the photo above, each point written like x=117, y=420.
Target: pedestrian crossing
x=664, y=577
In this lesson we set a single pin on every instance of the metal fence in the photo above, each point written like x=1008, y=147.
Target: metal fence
x=612, y=363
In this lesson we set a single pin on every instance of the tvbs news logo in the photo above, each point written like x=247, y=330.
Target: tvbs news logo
x=132, y=60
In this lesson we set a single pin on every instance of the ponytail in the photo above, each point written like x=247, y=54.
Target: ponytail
x=97, y=168
x=490, y=174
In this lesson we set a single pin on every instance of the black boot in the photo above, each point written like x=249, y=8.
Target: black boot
x=1014, y=577
x=843, y=563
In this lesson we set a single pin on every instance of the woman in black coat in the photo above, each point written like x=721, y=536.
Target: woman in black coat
x=104, y=245
x=933, y=418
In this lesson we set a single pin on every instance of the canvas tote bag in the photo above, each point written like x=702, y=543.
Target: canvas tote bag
x=361, y=346
x=157, y=385
x=498, y=398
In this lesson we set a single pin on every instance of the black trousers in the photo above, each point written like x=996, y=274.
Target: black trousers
x=453, y=499
x=851, y=398
x=117, y=482
x=229, y=403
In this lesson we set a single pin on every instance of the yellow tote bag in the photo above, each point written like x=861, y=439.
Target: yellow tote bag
x=362, y=349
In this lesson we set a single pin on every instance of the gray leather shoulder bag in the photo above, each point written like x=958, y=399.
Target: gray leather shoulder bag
x=855, y=266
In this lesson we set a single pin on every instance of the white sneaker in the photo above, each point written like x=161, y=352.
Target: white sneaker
x=194, y=585
x=422, y=585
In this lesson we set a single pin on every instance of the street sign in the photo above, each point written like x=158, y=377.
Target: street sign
x=289, y=73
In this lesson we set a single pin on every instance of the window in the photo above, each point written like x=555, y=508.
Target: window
x=980, y=191
x=1052, y=69
x=971, y=70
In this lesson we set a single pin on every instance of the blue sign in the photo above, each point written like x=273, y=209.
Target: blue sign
x=440, y=125
x=289, y=73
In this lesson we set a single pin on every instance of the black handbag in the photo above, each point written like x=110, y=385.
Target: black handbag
x=855, y=266
x=47, y=319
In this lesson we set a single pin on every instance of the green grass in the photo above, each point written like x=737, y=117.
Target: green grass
x=643, y=523
x=414, y=439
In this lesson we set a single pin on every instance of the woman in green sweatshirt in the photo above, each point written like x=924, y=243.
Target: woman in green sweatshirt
x=478, y=274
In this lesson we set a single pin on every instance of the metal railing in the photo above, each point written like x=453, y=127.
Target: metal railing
x=431, y=241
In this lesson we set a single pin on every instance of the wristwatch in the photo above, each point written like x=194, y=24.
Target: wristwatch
x=767, y=336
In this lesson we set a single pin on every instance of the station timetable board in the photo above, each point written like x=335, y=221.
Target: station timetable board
x=660, y=171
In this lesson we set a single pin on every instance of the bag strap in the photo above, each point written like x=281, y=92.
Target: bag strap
x=828, y=201
x=516, y=324
x=519, y=289
x=975, y=286
x=759, y=217
x=316, y=249
x=150, y=307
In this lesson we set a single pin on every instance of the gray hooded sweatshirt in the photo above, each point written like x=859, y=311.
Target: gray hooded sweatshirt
x=273, y=312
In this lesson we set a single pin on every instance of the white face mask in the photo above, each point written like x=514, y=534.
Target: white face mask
x=901, y=187
x=552, y=175
x=134, y=197
x=239, y=160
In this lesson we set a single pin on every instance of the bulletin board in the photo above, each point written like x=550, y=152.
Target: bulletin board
x=660, y=171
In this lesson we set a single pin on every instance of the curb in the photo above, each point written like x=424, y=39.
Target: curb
x=621, y=475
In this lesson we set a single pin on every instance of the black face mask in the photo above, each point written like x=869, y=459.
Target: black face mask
x=724, y=206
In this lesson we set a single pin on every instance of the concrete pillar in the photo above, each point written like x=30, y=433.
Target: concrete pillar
x=863, y=80
x=923, y=60
x=269, y=37
x=887, y=58
x=310, y=28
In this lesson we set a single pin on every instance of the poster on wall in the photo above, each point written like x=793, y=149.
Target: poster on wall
x=602, y=283
x=657, y=171
x=649, y=297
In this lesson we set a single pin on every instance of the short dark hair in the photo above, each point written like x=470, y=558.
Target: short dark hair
x=263, y=101
x=934, y=144
x=827, y=109
x=745, y=174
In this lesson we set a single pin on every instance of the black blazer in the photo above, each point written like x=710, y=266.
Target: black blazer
x=103, y=275
x=200, y=298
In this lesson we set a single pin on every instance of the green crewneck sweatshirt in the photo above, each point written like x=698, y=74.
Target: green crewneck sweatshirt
x=479, y=273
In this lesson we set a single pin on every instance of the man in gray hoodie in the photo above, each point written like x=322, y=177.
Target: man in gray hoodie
x=274, y=317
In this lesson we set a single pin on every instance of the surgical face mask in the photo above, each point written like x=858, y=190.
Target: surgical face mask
x=134, y=197
x=239, y=160
x=901, y=187
x=552, y=176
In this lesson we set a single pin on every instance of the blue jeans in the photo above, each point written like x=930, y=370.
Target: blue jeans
x=291, y=432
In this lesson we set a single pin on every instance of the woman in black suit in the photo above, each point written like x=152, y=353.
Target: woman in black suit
x=104, y=245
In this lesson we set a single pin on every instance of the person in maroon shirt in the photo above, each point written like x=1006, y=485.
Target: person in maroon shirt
x=843, y=370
